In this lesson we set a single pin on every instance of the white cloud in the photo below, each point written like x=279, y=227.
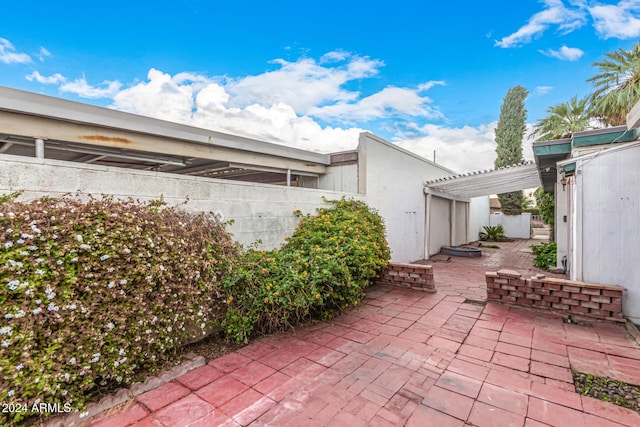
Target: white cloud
x=390, y=101
x=555, y=13
x=8, y=53
x=543, y=90
x=303, y=84
x=464, y=149
x=44, y=53
x=161, y=96
x=84, y=90
x=564, y=53
x=300, y=104
x=56, y=78
x=621, y=20
x=428, y=85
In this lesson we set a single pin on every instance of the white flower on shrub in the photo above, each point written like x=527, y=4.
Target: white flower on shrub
x=123, y=281
x=110, y=325
x=5, y=343
x=74, y=259
x=13, y=285
x=40, y=272
x=85, y=246
x=7, y=245
x=19, y=367
x=37, y=311
x=59, y=262
x=39, y=260
x=6, y=330
x=111, y=285
x=72, y=361
x=52, y=307
x=50, y=293
x=79, y=238
x=33, y=248
x=24, y=253
x=27, y=236
x=104, y=257
x=10, y=393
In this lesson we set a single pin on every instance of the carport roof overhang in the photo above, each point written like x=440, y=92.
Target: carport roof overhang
x=74, y=130
x=485, y=183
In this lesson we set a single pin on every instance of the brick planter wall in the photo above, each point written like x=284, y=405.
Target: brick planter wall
x=602, y=302
x=414, y=276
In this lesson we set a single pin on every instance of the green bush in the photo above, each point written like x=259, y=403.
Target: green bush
x=323, y=268
x=493, y=234
x=546, y=254
x=532, y=211
x=92, y=292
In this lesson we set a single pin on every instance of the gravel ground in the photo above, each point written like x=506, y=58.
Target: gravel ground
x=608, y=390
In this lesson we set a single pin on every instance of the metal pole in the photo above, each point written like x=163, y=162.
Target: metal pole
x=39, y=148
x=288, y=177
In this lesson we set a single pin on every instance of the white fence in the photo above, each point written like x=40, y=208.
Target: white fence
x=515, y=226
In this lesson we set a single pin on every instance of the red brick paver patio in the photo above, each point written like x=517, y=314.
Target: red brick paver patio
x=406, y=358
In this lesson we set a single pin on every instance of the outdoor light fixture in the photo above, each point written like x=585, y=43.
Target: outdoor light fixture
x=564, y=181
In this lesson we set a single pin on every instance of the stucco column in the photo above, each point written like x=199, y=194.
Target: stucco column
x=39, y=148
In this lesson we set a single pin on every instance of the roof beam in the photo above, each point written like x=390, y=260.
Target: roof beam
x=52, y=129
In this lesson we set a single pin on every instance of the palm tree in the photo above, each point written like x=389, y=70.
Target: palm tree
x=617, y=85
x=564, y=119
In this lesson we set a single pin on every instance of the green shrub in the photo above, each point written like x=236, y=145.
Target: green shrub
x=546, y=254
x=323, y=268
x=92, y=292
x=493, y=234
x=532, y=211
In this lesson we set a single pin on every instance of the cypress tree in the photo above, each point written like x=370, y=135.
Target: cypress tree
x=509, y=134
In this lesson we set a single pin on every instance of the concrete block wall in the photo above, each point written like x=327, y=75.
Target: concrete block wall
x=603, y=302
x=260, y=211
x=414, y=276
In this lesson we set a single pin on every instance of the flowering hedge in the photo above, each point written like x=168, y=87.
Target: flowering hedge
x=324, y=267
x=91, y=292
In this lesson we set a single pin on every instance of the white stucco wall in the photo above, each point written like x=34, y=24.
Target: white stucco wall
x=340, y=178
x=607, y=227
x=260, y=211
x=515, y=226
x=393, y=182
x=561, y=221
x=478, y=216
x=439, y=224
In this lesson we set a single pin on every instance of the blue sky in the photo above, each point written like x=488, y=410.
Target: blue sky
x=425, y=75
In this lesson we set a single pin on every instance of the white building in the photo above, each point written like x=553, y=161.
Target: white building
x=596, y=181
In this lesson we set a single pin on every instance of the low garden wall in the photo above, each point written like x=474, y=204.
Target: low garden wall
x=414, y=276
x=602, y=302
